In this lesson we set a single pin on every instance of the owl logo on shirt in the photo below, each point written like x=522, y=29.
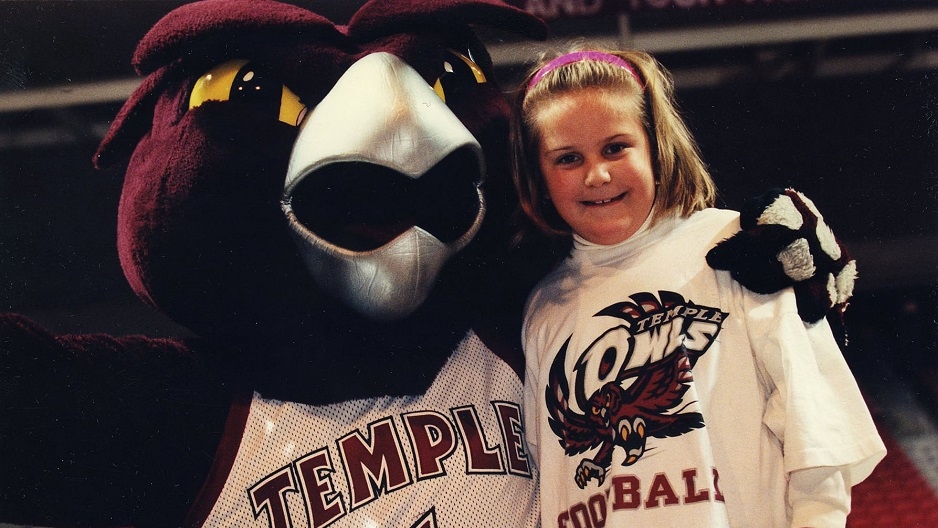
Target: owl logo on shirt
x=628, y=385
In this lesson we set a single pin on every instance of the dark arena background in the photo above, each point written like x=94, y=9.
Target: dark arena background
x=838, y=99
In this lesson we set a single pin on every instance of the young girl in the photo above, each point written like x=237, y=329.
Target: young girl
x=659, y=392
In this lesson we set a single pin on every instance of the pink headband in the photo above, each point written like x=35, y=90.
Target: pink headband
x=577, y=56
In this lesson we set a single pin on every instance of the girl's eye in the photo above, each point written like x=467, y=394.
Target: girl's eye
x=251, y=84
x=460, y=74
x=616, y=148
x=567, y=159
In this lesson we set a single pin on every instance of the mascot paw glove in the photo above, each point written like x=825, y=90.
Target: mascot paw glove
x=784, y=241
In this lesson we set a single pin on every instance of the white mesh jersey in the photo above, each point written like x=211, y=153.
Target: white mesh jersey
x=453, y=457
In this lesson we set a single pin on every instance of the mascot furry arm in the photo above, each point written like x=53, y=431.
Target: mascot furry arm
x=785, y=242
x=308, y=200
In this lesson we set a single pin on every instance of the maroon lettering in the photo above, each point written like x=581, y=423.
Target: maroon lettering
x=580, y=516
x=433, y=440
x=717, y=494
x=427, y=520
x=373, y=465
x=324, y=504
x=690, y=483
x=563, y=520
x=597, y=510
x=509, y=419
x=661, y=489
x=626, y=492
x=268, y=496
x=480, y=458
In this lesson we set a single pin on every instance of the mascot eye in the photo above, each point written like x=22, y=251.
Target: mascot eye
x=596, y=409
x=459, y=73
x=251, y=84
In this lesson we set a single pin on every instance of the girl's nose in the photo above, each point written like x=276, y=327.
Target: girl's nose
x=598, y=175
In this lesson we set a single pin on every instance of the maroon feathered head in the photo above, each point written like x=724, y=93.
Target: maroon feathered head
x=281, y=165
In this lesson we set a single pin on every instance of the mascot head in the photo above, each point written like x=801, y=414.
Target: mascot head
x=281, y=168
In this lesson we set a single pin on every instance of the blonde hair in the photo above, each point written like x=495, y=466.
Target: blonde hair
x=684, y=183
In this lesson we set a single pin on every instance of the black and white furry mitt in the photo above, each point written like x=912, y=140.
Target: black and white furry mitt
x=784, y=242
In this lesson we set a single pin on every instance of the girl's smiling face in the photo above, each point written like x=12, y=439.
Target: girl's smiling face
x=595, y=158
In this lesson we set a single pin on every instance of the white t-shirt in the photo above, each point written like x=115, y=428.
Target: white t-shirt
x=659, y=392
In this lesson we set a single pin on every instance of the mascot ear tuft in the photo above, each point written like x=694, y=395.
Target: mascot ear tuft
x=212, y=27
x=132, y=122
x=784, y=241
x=200, y=35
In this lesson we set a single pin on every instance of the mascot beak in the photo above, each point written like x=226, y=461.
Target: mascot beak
x=382, y=188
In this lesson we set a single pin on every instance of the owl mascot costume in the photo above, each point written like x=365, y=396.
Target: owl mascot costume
x=323, y=207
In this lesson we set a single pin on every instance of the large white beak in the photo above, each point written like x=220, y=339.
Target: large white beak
x=381, y=113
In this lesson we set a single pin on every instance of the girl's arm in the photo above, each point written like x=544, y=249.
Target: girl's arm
x=814, y=408
x=819, y=497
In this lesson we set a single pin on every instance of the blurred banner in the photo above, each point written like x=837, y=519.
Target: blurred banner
x=560, y=9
